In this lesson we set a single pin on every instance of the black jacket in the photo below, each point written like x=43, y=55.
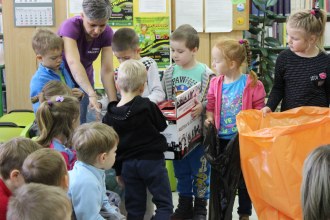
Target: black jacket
x=138, y=124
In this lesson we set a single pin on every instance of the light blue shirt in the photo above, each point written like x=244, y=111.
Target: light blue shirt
x=87, y=191
x=231, y=105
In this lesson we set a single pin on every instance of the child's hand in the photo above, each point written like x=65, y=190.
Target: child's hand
x=265, y=110
x=120, y=181
x=208, y=121
x=77, y=93
x=197, y=110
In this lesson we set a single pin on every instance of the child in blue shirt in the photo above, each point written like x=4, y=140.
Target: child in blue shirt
x=48, y=48
x=96, y=146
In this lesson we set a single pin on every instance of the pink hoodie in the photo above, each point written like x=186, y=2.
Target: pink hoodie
x=253, y=97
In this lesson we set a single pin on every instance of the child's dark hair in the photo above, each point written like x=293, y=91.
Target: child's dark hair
x=92, y=139
x=13, y=154
x=188, y=34
x=125, y=39
x=57, y=117
x=238, y=51
x=45, y=40
x=45, y=166
x=50, y=89
x=312, y=21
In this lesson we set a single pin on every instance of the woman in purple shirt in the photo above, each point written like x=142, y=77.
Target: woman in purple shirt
x=85, y=37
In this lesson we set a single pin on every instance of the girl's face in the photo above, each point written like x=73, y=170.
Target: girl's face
x=298, y=40
x=219, y=63
x=93, y=28
x=182, y=55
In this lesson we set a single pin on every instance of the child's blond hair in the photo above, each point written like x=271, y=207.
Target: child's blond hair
x=132, y=74
x=92, y=139
x=237, y=51
x=45, y=40
x=38, y=201
x=45, y=166
x=311, y=21
x=55, y=117
x=187, y=34
x=13, y=154
x=125, y=39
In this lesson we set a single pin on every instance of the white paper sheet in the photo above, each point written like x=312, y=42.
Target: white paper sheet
x=75, y=6
x=189, y=12
x=156, y=6
x=218, y=16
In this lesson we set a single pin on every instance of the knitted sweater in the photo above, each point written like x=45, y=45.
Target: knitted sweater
x=300, y=81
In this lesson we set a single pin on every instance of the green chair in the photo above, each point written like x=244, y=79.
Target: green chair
x=16, y=123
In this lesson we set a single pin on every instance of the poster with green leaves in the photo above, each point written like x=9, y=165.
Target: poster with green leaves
x=154, y=38
x=122, y=13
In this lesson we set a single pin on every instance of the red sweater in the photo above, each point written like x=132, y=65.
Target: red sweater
x=4, y=197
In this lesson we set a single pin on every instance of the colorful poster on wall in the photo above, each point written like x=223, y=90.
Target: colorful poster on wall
x=154, y=38
x=122, y=13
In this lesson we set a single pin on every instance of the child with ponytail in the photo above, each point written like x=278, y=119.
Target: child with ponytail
x=57, y=118
x=229, y=93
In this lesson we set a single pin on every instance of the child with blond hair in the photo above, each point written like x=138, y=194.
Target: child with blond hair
x=96, y=146
x=140, y=163
x=35, y=201
x=12, y=156
x=57, y=118
x=302, y=71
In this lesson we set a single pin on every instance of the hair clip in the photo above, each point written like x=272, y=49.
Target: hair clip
x=59, y=99
x=50, y=103
x=241, y=41
x=316, y=12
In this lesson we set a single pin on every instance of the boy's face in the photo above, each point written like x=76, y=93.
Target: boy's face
x=52, y=59
x=127, y=54
x=110, y=158
x=182, y=55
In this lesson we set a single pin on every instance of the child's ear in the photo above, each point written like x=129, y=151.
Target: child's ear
x=16, y=178
x=39, y=57
x=138, y=50
x=65, y=182
x=194, y=50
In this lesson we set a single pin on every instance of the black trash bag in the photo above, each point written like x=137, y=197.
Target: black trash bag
x=225, y=174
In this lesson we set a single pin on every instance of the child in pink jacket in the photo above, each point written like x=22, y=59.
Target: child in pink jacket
x=228, y=94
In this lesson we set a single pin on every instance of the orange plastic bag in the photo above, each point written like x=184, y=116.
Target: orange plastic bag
x=273, y=150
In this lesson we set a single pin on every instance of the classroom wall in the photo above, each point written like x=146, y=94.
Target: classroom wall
x=21, y=63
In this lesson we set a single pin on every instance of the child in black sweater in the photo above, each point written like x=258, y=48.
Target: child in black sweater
x=140, y=162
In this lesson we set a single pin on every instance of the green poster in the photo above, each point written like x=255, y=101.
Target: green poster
x=154, y=38
x=236, y=2
x=122, y=13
